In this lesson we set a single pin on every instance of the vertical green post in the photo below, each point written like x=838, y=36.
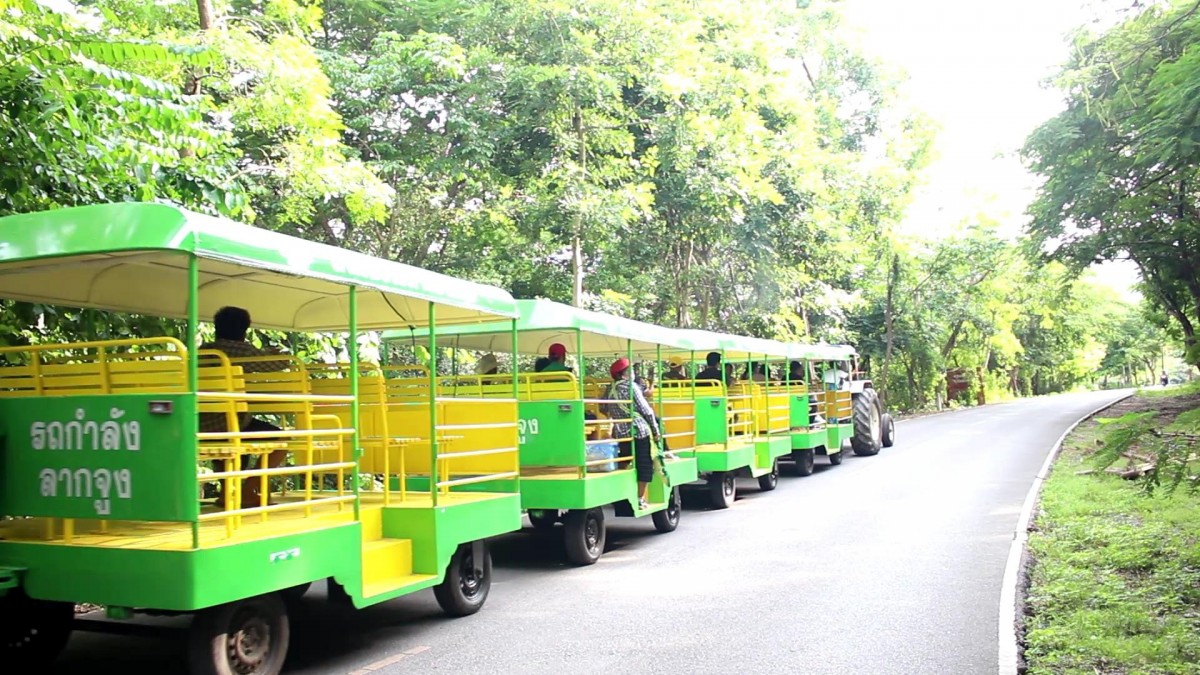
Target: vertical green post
x=193, y=311
x=356, y=451
x=579, y=360
x=433, y=420
x=515, y=386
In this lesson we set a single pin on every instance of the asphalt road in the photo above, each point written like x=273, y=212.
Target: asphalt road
x=886, y=564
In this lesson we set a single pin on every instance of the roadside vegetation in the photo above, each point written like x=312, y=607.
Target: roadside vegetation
x=1114, y=575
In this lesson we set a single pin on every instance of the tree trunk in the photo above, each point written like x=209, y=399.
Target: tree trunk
x=889, y=333
x=577, y=237
x=205, y=10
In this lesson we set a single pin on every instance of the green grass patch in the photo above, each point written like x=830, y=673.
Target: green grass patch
x=1115, y=574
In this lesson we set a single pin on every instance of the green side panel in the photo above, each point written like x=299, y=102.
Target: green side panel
x=551, y=433
x=437, y=532
x=809, y=440
x=733, y=458
x=798, y=408
x=683, y=470
x=836, y=433
x=598, y=489
x=768, y=448
x=183, y=580
x=710, y=420
x=105, y=456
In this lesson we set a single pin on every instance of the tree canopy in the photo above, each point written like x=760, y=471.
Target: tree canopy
x=736, y=166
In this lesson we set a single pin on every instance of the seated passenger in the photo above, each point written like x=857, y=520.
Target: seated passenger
x=558, y=359
x=796, y=373
x=487, y=365
x=675, y=369
x=755, y=372
x=712, y=369
x=539, y=366
x=231, y=325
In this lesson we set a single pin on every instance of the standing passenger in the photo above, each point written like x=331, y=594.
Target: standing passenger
x=636, y=436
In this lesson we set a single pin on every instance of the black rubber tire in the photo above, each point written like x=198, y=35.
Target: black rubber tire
x=33, y=632
x=585, y=535
x=543, y=520
x=668, y=519
x=244, y=637
x=464, y=591
x=722, y=489
x=805, y=460
x=867, y=427
x=888, y=427
x=836, y=458
x=769, y=481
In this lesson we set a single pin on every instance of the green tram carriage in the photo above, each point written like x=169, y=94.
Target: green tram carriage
x=561, y=424
x=102, y=453
x=742, y=426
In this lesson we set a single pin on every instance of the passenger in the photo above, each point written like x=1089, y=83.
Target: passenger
x=756, y=372
x=834, y=376
x=796, y=373
x=487, y=365
x=231, y=325
x=675, y=369
x=558, y=360
x=644, y=428
x=729, y=376
x=712, y=370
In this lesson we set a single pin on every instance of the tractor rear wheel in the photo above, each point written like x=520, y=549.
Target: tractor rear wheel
x=868, y=426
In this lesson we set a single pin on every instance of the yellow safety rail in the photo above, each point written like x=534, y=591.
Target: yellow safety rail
x=477, y=435
x=774, y=407
x=839, y=406
x=226, y=390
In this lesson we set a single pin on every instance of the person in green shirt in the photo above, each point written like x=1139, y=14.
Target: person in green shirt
x=558, y=359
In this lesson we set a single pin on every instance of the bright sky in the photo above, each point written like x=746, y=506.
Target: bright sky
x=977, y=69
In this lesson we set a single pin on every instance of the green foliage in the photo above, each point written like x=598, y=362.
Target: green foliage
x=1121, y=161
x=1115, y=571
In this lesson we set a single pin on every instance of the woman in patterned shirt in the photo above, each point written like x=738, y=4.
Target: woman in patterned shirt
x=644, y=424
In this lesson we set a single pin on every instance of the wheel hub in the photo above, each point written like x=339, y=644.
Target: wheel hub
x=249, y=645
x=728, y=486
x=470, y=581
x=592, y=533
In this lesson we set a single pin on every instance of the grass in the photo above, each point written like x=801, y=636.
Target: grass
x=1114, y=584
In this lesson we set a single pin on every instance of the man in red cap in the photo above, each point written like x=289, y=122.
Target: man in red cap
x=638, y=434
x=558, y=359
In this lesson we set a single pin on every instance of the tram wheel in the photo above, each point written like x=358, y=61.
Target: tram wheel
x=33, y=632
x=543, y=519
x=836, y=458
x=247, y=637
x=467, y=583
x=585, y=535
x=668, y=519
x=770, y=481
x=722, y=488
x=805, y=460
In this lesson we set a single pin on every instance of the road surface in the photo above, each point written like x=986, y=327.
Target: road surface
x=886, y=564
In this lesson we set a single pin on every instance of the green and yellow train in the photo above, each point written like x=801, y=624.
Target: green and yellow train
x=129, y=478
